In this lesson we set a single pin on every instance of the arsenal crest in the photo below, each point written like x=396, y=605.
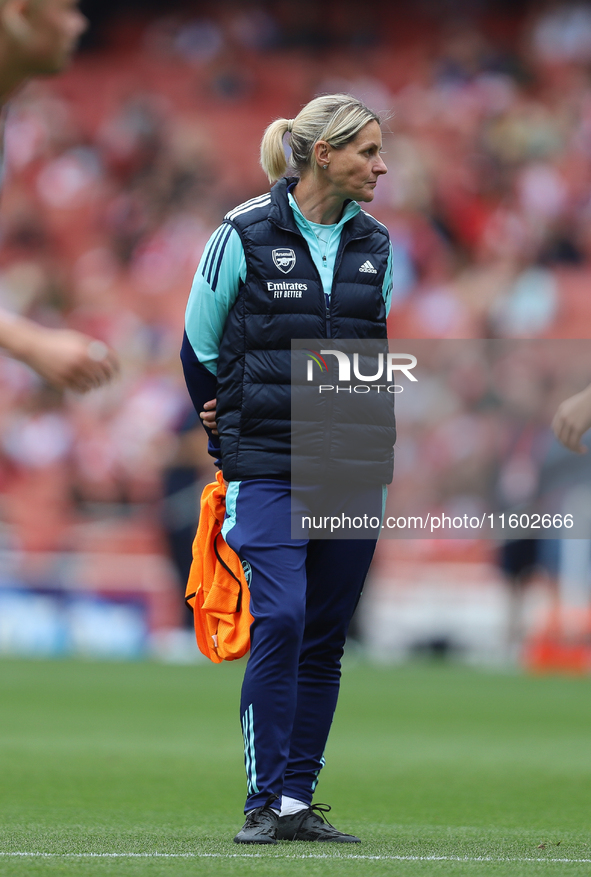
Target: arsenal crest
x=284, y=260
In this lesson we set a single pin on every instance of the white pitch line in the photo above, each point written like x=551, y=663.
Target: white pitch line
x=156, y=855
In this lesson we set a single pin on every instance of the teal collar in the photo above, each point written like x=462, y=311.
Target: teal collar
x=351, y=209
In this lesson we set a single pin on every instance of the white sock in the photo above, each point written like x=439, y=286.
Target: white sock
x=291, y=805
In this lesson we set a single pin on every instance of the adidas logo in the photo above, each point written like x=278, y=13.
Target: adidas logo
x=367, y=268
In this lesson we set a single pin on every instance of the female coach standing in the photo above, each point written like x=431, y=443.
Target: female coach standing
x=309, y=230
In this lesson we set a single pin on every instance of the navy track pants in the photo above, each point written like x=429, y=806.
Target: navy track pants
x=302, y=596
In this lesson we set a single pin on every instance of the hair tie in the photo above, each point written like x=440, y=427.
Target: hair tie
x=290, y=125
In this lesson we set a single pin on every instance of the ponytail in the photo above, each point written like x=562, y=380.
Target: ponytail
x=273, y=159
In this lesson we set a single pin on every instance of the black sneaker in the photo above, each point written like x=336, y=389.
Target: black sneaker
x=260, y=826
x=308, y=825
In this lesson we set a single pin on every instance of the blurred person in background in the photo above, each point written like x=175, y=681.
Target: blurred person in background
x=184, y=476
x=37, y=38
x=302, y=592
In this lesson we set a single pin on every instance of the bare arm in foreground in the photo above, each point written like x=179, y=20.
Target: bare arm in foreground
x=64, y=358
x=37, y=38
x=572, y=420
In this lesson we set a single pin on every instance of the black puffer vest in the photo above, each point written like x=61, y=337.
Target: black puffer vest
x=283, y=299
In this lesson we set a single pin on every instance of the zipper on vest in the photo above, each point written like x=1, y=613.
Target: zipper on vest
x=342, y=246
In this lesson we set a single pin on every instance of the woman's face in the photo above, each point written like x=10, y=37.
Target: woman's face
x=353, y=171
x=54, y=28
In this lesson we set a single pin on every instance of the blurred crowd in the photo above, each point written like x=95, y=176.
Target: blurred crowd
x=118, y=171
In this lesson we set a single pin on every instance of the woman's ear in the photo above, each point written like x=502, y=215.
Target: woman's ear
x=322, y=153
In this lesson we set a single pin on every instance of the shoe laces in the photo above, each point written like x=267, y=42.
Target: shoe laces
x=271, y=800
x=254, y=816
x=321, y=809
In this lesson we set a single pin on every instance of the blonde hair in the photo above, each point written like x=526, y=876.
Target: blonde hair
x=336, y=118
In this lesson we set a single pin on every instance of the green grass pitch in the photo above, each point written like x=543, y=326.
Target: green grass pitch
x=136, y=769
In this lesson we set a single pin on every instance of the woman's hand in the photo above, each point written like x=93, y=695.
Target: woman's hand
x=208, y=416
x=64, y=358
